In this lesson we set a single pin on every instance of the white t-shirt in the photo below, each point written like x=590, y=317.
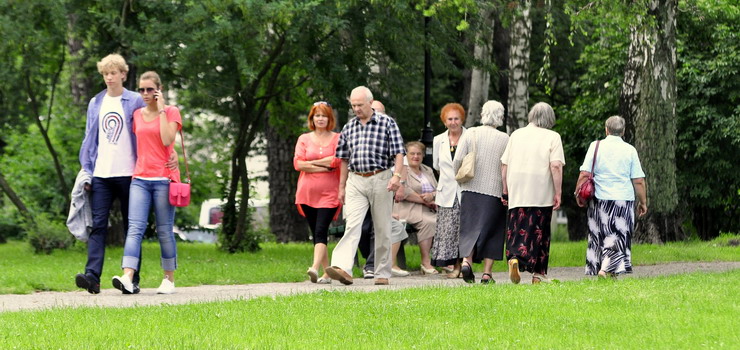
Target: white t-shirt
x=527, y=156
x=115, y=151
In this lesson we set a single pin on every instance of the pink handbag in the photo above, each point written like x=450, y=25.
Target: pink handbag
x=180, y=191
x=588, y=187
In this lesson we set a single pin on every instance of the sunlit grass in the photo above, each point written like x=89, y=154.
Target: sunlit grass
x=25, y=272
x=682, y=311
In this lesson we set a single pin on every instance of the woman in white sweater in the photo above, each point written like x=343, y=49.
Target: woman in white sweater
x=482, y=215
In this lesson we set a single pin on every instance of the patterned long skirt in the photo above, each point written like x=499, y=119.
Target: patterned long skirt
x=446, y=244
x=610, y=225
x=528, y=238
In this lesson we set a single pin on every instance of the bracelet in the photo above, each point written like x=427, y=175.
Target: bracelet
x=397, y=174
x=162, y=111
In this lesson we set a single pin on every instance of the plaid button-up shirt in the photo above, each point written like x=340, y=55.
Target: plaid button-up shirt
x=372, y=146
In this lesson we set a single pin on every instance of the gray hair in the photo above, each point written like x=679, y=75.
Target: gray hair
x=492, y=114
x=364, y=90
x=542, y=115
x=615, y=125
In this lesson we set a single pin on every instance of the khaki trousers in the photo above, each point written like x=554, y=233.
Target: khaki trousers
x=362, y=193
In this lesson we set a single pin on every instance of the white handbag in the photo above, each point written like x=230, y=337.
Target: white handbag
x=467, y=169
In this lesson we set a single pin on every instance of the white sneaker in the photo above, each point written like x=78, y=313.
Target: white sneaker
x=124, y=284
x=399, y=273
x=167, y=287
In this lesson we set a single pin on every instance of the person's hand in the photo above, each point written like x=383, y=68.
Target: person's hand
x=394, y=183
x=172, y=162
x=400, y=194
x=340, y=195
x=160, y=100
x=556, y=202
x=581, y=203
x=505, y=199
x=642, y=209
x=87, y=187
x=427, y=197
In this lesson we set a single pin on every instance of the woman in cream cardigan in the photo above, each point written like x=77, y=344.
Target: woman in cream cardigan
x=418, y=207
x=445, y=248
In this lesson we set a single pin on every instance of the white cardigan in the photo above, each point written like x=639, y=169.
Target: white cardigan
x=447, y=187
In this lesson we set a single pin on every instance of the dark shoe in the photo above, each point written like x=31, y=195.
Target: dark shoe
x=381, y=282
x=337, y=273
x=136, y=289
x=87, y=282
x=467, y=273
x=484, y=280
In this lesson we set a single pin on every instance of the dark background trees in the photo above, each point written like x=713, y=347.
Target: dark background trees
x=246, y=74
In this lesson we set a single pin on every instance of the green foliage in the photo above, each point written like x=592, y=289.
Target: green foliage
x=10, y=230
x=708, y=114
x=48, y=234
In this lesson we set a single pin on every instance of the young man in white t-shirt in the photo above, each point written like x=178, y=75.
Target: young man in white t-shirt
x=108, y=153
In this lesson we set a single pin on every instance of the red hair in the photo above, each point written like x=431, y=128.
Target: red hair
x=324, y=109
x=452, y=107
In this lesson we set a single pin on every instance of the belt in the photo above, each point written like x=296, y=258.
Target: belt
x=370, y=173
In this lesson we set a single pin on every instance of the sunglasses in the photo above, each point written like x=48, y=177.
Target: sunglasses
x=322, y=103
x=149, y=90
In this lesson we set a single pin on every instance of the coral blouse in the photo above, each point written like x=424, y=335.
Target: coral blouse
x=317, y=190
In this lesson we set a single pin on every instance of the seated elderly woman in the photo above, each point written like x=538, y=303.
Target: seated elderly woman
x=417, y=206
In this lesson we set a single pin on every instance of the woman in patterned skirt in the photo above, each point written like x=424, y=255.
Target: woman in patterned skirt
x=532, y=173
x=618, y=176
x=445, y=247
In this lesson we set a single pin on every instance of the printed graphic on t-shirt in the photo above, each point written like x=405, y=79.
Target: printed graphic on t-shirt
x=112, y=126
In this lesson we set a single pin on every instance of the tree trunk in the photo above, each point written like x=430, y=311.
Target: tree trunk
x=480, y=78
x=17, y=201
x=80, y=83
x=285, y=222
x=501, y=47
x=521, y=30
x=648, y=103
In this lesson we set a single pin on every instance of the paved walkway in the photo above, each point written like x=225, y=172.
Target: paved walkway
x=208, y=293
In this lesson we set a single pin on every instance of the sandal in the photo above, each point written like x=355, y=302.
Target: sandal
x=467, y=272
x=484, y=280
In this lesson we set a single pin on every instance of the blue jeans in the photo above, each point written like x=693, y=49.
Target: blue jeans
x=143, y=195
x=104, y=191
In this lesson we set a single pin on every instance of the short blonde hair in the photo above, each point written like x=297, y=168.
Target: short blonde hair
x=112, y=62
x=492, y=114
x=416, y=144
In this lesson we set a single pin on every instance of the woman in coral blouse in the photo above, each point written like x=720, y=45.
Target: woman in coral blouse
x=318, y=185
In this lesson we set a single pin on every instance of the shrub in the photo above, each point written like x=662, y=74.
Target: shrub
x=10, y=230
x=47, y=235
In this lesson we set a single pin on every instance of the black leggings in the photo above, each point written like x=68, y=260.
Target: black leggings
x=319, y=220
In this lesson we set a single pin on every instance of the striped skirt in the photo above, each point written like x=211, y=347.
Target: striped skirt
x=610, y=225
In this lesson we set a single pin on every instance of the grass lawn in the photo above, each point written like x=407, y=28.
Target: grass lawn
x=25, y=272
x=694, y=311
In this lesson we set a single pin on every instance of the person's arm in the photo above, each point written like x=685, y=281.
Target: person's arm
x=325, y=162
x=167, y=129
x=581, y=179
x=395, y=182
x=505, y=191
x=343, y=171
x=641, y=191
x=556, y=168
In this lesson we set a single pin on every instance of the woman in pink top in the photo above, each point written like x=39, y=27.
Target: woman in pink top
x=318, y=185
x=155, y=127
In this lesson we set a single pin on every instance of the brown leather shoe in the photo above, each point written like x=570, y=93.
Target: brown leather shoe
x=381, y=282
x=514, y=271
x=337, y=273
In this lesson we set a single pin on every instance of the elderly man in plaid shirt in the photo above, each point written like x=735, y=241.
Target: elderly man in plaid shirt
x=369, y=145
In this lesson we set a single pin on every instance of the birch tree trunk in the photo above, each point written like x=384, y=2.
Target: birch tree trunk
x=648, y=103
x=521, y=30
x=480, y=78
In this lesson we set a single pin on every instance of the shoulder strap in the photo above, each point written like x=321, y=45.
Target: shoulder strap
x=185, y=156
x=593, y=163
